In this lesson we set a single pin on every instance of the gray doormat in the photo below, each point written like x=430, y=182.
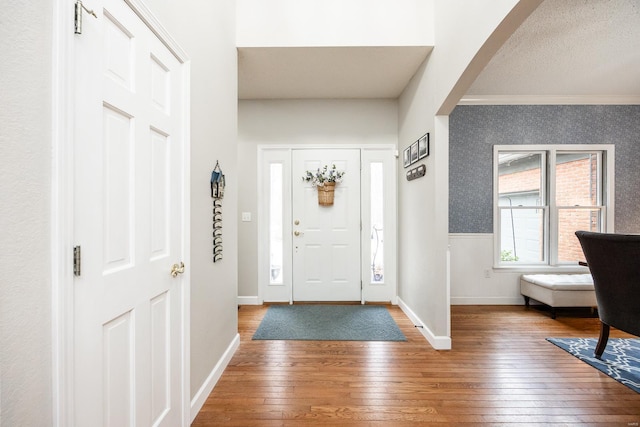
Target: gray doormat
x=328, y=323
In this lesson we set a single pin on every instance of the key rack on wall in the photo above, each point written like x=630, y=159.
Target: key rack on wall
x=217, y=193
x=416, y=173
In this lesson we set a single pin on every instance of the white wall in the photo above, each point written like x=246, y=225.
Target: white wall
x=422, y=213
x=206, y=30
x=334, y=23
x=25, y=216
x=462, y=29
x=298, y=122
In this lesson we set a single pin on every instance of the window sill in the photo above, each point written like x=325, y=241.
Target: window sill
x=541, y=269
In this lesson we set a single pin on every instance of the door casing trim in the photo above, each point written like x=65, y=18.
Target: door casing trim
x=263, y=246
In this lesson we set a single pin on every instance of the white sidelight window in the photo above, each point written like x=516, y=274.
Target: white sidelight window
x=377, y=222
x=274, y=225
x=379, y=225
x=276, y=221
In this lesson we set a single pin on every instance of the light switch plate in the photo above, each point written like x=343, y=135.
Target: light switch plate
x=246, y=216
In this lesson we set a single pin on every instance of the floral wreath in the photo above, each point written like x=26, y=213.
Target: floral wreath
x=324, y=175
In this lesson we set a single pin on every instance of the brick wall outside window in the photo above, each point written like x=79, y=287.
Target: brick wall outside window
x=576, y=184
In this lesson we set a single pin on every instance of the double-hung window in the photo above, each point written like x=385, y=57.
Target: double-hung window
x=543, y=194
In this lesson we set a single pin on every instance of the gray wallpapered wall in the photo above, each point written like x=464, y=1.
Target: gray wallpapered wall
x=474, y=130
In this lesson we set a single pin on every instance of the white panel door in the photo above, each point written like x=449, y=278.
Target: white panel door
x=128, y=220
x=326, y=239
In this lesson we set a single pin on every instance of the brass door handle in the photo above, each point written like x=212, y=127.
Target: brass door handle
x=297, y=233
x=177, y=269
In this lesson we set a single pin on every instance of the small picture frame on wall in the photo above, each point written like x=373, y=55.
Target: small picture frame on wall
x=406, y=158
x=414, y=152
x=423, y=146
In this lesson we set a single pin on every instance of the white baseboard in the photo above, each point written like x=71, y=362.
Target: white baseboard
x=201, y=396
x=249, y=301
x=437, y=342
x=487, y=300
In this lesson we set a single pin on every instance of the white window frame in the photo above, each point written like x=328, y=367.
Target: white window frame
x=606, y=176
x=387, y=289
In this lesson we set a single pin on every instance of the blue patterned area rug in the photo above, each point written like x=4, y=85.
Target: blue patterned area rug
x=620, y=360
x=319, y=322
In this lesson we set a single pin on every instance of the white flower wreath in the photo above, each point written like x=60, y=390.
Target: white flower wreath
x=324, y=175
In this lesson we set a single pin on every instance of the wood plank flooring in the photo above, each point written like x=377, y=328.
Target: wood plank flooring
x=501, y=371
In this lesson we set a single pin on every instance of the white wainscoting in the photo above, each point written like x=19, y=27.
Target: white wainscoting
x=473, y=278
x=474, y=281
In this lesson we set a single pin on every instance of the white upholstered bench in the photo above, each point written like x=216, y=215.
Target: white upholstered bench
x=559, y=290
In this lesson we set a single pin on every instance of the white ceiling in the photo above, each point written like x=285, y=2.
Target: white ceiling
x=566, y=49
x=580, y=49
x=327, y=72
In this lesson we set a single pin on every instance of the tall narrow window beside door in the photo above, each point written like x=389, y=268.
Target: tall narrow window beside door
x=276, y=248
x=377, y=221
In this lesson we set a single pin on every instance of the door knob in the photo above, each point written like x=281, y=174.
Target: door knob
x=296, y=233
x=296, y=222
x=177, y=269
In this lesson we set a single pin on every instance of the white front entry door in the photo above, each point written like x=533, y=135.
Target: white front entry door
x=326, y=239
x=129, y=155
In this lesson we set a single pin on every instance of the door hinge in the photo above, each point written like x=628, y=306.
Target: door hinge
x=78, y=16
x=77, y=260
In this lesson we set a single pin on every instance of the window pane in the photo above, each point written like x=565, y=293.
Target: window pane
x=522, y=235
x=377, y=221
x=275, y=224
x=569, y=221
x=527, y=213
x=520, y=179
x=577, y=179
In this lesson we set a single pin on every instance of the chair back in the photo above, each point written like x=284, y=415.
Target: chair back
x=614, y=261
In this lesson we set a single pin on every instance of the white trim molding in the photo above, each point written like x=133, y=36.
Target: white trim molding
x=436, y=341
x=145, y=14
x=62, y=215
x=487, y=300
x=549, y=100
x=470, y=236
x=207, y=387
x=249, y=300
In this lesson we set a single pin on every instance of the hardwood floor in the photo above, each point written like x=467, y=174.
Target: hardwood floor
x=501, y=371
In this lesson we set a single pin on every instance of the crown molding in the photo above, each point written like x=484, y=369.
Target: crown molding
x=548, y=100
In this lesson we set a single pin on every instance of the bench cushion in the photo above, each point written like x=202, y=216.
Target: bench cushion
x=559, y=290
x=561, y=282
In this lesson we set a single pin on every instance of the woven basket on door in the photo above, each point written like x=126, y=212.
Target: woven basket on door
x=325, y=193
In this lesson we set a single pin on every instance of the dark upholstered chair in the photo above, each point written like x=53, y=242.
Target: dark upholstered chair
x=614, y=261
